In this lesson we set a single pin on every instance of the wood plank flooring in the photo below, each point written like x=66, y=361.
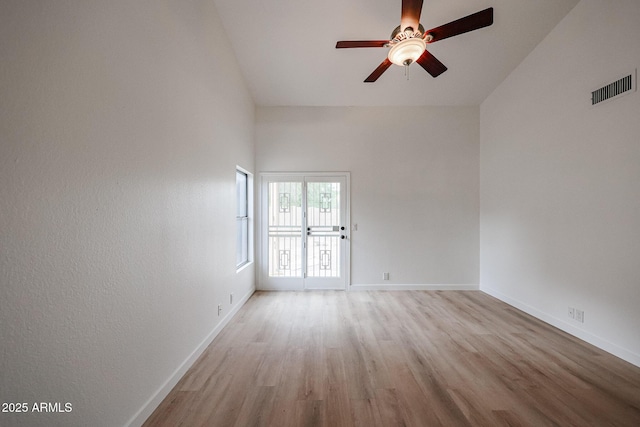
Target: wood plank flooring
x=449, y=358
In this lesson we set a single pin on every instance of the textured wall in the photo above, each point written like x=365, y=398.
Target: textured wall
x=560, y=180
x=414, y=184
x=121, y=124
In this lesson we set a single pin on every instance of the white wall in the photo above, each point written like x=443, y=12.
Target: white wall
x=560, y=180
x=414, y=184
x=121, y=124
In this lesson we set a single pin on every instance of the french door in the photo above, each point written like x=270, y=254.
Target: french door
x=304, y=237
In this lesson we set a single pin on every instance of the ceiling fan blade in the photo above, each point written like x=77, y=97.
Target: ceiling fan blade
x=410, y=17
x=431, y=64
x=361, y=43
x=378, y=71
x=477, y=20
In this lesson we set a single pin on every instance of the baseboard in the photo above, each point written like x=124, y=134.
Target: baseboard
x=401, y=287
x=281, y=287
x=595, y=340
x=147, y=409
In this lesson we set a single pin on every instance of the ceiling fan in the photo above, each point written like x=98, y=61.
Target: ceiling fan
x=408, y=42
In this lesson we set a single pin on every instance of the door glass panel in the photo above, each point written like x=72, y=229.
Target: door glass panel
x=323, y=229
x=285, y=229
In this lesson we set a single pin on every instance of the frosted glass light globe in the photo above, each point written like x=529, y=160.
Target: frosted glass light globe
x=407, y=51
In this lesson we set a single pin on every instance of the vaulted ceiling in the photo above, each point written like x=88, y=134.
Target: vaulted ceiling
x=286, y=49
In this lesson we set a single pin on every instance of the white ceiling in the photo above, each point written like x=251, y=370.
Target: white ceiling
x=286, y=49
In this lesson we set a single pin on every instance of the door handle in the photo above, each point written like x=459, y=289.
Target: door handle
x=343, y=237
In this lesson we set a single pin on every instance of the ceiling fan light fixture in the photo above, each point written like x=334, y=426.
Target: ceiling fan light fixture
x=407, y=51
x=408, y=45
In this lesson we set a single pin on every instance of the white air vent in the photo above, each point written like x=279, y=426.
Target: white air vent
x=620, y=87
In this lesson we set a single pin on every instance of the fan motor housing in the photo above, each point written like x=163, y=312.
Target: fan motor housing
x=398, y=35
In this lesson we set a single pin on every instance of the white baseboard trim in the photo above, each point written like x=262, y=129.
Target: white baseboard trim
x=147, y=409
x=400, y=287
x=283, y=287
x=597, y=341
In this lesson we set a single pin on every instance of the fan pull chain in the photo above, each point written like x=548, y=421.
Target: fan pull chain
x=406, y=71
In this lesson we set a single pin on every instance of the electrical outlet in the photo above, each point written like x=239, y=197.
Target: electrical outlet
x=572, y=313
x=580, y=316
x=385, y=276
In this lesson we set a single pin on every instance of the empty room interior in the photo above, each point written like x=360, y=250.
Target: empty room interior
x=242, y=212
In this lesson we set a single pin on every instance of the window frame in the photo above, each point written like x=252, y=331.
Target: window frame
x=247, y=241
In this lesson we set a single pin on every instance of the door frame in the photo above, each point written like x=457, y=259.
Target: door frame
x=296, y=284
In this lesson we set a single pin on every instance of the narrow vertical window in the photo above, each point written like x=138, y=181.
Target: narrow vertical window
x=243, y=235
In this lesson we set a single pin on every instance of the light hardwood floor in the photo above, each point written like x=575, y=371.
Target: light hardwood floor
x=450, y=358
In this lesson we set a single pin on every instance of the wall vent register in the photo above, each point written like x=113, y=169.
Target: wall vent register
x=620, y=87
